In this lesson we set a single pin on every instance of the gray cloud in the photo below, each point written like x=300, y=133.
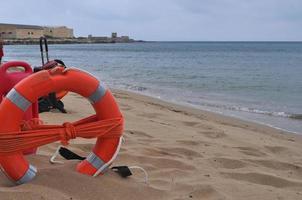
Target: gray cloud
x=165, y=19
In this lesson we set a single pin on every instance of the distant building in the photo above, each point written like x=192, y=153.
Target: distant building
x=114, y=35
x=125, y=38
x=104, y=38
x=58, y=32
x=115, y=38
x=19, y=31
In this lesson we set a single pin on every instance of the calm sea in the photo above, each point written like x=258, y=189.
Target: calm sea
x=256, y=81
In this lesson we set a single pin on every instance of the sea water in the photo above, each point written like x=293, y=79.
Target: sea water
x=255, y=81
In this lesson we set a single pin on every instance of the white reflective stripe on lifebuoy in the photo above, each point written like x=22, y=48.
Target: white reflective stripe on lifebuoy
x=97, y=94
x=95, y=161
x=15, y=97
x=28, y=176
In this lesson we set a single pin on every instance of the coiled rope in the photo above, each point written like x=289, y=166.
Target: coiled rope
x=34, y=134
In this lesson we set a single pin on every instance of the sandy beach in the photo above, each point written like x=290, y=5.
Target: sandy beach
x=188, y=154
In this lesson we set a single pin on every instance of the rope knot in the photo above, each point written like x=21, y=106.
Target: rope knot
x=70, y=132
x=30, y=124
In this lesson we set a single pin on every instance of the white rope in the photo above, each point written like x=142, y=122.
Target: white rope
x=54, y=156
x=111, y=160
x=121, y=140
x=142, y=169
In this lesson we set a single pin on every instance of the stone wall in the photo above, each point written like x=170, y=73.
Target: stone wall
x=58, y=32
x=8, y=32
x=19, y=31
x=29, y=33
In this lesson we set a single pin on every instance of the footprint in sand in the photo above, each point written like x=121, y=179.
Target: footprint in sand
x=274, y=164
x=190, y=123
x=251, y=151
x=278, y=149
x=138, y=133
x=213, y=134
x=157, y=152
x=294, y=170
x=162, y=123
x=206, y=127
x=263, y=179
x=188, y=142
x=147, y=141
x=140, y=137
x=171, y=163
x=150, y=115
x=227, y=163
x=182, y=152
x=205, y=192
x=125, y=107
x=193, y=143
x=197, y=125
x=120, y=96
x=160, y=163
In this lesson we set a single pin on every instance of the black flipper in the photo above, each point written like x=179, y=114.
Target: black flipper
x=69, y=155
x=123, y=171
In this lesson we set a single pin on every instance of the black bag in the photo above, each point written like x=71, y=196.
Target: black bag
x=50, y=102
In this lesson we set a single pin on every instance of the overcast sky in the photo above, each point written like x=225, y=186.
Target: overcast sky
x=197, y=20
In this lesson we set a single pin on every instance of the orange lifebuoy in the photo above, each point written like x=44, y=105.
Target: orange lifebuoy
x=50, y=65
x=15, y=166
x=61, y=94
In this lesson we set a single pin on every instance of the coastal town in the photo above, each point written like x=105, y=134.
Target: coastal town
x=30, y=34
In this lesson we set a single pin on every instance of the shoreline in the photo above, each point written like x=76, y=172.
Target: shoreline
x=68, y=41
x=199, y=111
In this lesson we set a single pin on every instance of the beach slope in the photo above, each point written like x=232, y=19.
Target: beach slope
x=188, y=154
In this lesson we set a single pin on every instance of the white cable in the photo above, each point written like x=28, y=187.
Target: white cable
x=56, y=153
x=111, y=160
x=53, y=157
x=124, y=140
x=145, y=172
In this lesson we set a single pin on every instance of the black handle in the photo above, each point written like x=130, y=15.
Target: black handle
x=46, y=44
x=41, y=50
x=44, y=40
x=41, y=44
